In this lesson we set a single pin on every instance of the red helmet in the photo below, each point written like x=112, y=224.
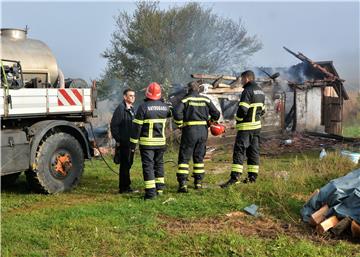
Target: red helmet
x=217, y=129
x=153, y=91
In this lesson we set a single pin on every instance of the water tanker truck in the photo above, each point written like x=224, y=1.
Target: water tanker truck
x=42, y=121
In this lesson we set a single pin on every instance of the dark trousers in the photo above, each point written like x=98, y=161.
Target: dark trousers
x=246, y=145
x=193, y=144
x=126, y=161
x=153, y=170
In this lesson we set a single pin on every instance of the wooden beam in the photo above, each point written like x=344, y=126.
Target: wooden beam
x=221, y=90
x=217, y=82
x=327, y=224
x=318, y=216
x=212, y=76
x=341, y=226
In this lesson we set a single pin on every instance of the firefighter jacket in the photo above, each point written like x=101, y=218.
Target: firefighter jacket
x=121, y=123
x=251, y=108
x=149, y=124
x=194, y=110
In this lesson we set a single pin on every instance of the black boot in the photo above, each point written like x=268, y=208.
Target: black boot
x=150, y=194
x=234, y=179
x=251, y=178
x=198, y=184
x=198, y=181
x=182, y=178
x=182, y=188
x=160, y=189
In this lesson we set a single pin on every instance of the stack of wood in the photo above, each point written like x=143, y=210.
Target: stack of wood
x=334, y=224
x=219, y=86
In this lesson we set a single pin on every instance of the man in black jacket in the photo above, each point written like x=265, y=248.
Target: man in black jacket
x=121, y=125
x=149, y=131
x=248, y=125
x=193, y=115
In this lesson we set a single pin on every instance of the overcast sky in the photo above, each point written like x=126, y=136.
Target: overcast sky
x=78, y=32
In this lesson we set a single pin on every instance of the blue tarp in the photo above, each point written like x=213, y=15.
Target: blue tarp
x=342, y=195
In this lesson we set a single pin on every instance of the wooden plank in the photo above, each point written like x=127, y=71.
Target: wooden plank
x=327, y=224
x=221, y=90
x=212, y=76
x=341, y=226
x=333, y=136
x=355, y=229
x=222, y=85
x=318, y=216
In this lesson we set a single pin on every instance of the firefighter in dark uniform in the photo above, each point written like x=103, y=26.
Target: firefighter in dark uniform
x=149, y=132
x=193, y=115
x=121, y=125
x=248, y=125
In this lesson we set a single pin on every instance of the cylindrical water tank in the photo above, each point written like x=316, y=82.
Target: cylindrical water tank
x=35, y=57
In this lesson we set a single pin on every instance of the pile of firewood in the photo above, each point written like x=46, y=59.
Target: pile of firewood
x=334, y=224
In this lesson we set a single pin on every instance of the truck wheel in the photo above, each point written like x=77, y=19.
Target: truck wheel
x=9, y=180
x=59, y=164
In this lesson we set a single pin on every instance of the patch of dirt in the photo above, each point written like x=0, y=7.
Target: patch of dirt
x=243, y=224
x=297, y=143
x=279, y=144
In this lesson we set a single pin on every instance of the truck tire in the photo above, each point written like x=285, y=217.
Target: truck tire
x=9, y=180
x=59, y=164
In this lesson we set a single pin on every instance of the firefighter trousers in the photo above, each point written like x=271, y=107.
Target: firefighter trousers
x=246, y=145
x=193, y=144
x=153, y=170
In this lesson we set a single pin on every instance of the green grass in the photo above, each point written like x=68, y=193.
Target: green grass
x=93, y=220
x=351, y=130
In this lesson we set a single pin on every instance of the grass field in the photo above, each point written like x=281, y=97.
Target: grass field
x=93, y=220
x=351, y=130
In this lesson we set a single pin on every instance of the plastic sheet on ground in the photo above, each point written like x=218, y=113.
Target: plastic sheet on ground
x=342, y=195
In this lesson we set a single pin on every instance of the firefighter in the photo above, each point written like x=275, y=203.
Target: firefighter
x=192, y=116
x=248, y=125
x=121, y=125
x=149, y=131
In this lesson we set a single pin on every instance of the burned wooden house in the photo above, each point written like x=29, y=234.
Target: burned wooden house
x=226, y=98
x=311, y=99
x=319, y=96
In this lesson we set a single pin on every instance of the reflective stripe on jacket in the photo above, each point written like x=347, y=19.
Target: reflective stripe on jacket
x=251, y=108
x=149, y=124
x=195, y=110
